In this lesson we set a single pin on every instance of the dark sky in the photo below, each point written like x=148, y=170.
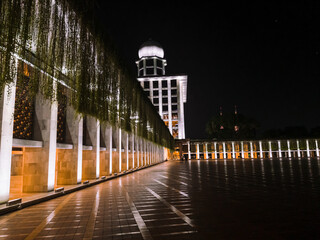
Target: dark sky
x=263, y=56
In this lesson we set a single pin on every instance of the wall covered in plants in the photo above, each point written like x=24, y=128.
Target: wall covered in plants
x=62, y=42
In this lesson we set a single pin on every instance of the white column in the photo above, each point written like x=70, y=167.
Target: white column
x=206, y=145
x=242, y=150
x=189, y=153
x=110, y=150
x=52, y=140
x=270, y=150
x=251, y=150
x=317, y=148
x=133, y=150
x=98, y=150
x=289, y=151
x=298, y=149
x=120, y=149
x=260, y=148
x=127, y=149
x=224, y=150
x=7, y=101
x=80, y=144
x=198, y=154
x=279, y=149
x=308, y=148
x=138, y=151
x=215, y=150
x=233, y=151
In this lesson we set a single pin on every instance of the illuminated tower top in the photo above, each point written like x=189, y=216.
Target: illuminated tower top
x=151, y=59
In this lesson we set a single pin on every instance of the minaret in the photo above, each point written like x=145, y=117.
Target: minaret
x=236, y=127
x=221, y=127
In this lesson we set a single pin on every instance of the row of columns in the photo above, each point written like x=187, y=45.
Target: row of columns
x=54, y=163
x=253, y=152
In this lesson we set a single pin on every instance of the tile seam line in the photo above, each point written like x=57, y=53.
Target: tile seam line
x=172, y=208
x=144, y=231
x=42, y=225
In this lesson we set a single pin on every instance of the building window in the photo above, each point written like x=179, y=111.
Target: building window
x=141, y=64
x=165, y=108
x=165, y=117
x=159, y=71
x=148, y=93
x=150, y=71
x=164, y=84
x=173, y=83
x=174, y=100
x=174, y=116
x=146, y=85
x=156, y=100
x=159, y=63
x=155, y=93
x=149, y=62
x=155, y=84
x=174, y=107
x=173, y=92
x=164, y=92
x=165, y=100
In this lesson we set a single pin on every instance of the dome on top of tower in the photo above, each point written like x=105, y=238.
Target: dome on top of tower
x=151, y=48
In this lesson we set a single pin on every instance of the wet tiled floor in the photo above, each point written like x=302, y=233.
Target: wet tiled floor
x=233, y=199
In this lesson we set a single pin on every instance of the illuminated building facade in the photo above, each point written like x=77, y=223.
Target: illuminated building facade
x=168, y=93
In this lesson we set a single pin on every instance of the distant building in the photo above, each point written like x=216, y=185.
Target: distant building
x=168, y=93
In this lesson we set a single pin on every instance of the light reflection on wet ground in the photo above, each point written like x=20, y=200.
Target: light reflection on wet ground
x=223, y=199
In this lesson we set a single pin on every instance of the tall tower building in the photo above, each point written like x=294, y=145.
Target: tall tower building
x=168, y=93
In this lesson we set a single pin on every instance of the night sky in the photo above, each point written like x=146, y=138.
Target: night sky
x=263, y=56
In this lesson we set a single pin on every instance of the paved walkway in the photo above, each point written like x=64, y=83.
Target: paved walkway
x=174, y=200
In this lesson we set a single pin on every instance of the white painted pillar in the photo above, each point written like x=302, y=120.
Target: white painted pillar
x=233, y=151
x=127, y=149
x=80, y=144
x=120, y=149
x=224, y=150
x=133, y=149
x=270, y=150
x=206, y=145
x=251, y=150
x=289, y=150
x=52, y=140
x=242, y=151
x=308, y=148
x=317, y=148
x=279, y=149
x=145, y=151
x=7, y=101
x=189, y=153
x=98, y=150
x=215, y=150
x=110, y=150
x=198, y=154
x=260, y=149
x=138, y=150
x=298, y=149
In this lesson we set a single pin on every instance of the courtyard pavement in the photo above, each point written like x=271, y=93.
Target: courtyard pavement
x=200, y=200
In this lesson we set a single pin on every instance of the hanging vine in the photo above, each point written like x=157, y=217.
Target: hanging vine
x=63, y=42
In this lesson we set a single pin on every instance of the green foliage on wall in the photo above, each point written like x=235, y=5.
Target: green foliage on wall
x=62, y=42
